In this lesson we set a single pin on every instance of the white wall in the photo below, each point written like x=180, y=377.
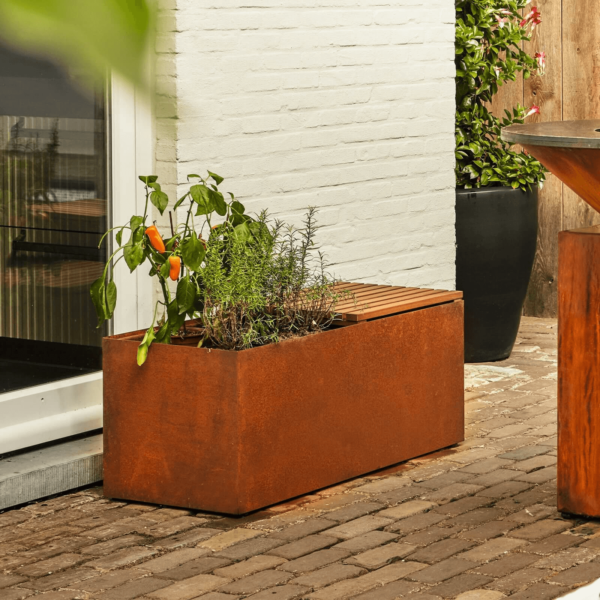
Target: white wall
x=347, y=105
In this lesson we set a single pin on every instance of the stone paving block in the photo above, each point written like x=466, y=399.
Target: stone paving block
x=453, y=492
x=539, y=476
x=400, y=495
x=198, y=566
x=430, y=535
x=379, y=557
x=535, y=463
x=334, y=502
x=519, y=580
x=494, y=477
x=440, y=481
x=134, y=589
x=119, y=528
x=567, y=559
x=219, y=596
x=92, y=521
x=250, y=566
x=462, y=506
x=540, y=591
x=104, y=548
x=282, y=592
x=128, y=556
x=228, y=538
x=189, y=588
x=481, y=595
x=15, y=594
x=251, y=584
x=51, y=565
x=10, y=547
x=58, y=546
x=415, y=523
x=172, y=560
x=295, y=532
x=540, y=529
x=110, y=580
x=385, y=484
x=353, y=587
x=314, y=561
x=475, y=517
x=390, y=591
x=532, y=514
x=364, y=542
x=487, y=531
x=62, y=579
x=250, y=548
x=441, y=550
x=577, y=575
x=188, y=538
x=525, y=499
x=9, y=563
x=509, y=431
x=472, y=455
x=504, y=490
x=407, y=509
x=60, y=595
x=30, y=541
x=461, y=583
x=14, y=517
x=7, y=580
x=173, y=526
x=443, y=570
x=486, y=466
x=554, y=544
x=507, y=564
x=329, y=575
x=354, y=511
x=492, y=549
x=304, y=546
x=359, y=526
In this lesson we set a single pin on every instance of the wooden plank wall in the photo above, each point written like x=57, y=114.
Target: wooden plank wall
x=570, y=37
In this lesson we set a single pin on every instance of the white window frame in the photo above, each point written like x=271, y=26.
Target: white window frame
x=73, y=406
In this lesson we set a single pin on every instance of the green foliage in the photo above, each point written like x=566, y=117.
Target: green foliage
x=489, y=36
x=101, y=34
x=248, y=281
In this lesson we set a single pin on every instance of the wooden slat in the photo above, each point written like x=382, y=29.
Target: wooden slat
x=374, y=293
x=397, y=307
x=387, y=297
x=388, y=302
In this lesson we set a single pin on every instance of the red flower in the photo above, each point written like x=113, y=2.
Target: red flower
x=541, y=61
x=534, y=110
x=533, y=17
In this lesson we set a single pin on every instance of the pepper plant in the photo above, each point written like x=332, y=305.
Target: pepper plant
x=489, y=40
x=246, y=280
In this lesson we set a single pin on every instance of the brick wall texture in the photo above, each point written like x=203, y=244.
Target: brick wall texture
x=347, y=105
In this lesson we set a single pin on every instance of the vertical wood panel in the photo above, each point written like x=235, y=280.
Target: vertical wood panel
x=546, y=92
x=581, y=81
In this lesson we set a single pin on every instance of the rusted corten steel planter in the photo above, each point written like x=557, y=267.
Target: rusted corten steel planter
x=232, y=432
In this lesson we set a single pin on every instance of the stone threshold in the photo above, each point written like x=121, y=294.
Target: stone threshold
x=50, y=470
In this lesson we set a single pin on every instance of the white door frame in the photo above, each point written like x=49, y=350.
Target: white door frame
x=68, y=407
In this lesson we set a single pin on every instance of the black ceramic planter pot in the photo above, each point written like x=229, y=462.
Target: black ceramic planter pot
x=496, y=234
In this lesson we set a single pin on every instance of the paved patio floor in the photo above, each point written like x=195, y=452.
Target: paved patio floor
x=475, y=522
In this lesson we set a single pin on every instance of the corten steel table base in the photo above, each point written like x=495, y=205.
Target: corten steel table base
x=571, y=150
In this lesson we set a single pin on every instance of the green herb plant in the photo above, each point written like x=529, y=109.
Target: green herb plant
x=247, y=281
x=489, y=40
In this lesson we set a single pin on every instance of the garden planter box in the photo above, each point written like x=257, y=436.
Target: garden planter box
x=232, y=432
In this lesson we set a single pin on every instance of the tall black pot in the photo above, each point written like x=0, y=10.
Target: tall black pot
x=496, y=235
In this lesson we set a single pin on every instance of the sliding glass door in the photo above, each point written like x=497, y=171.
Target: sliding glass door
x=53, y=211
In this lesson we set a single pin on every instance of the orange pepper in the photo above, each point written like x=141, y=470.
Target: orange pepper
x=175, y=263
x=155, y=239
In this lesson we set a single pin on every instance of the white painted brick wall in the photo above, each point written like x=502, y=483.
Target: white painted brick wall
x=347, y=105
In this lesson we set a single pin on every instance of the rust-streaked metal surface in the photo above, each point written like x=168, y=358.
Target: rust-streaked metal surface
x=569, y=149
x=232, y=432
x=579, y=372
x=368, y=301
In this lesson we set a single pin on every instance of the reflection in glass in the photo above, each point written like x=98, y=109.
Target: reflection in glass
x=53, y=210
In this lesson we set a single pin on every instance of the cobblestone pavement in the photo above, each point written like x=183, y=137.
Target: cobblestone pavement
x=475, y=522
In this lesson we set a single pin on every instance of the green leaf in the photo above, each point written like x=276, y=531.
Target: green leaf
x=194, y=175
x=165, y=269
x=218, y=202
x=135, y=222
x=134, y=255
x=99, y=36
x=192, y=252
x=200, y=195
x=242, y=232
x=119, y=237
x=163, y=335
x=175, y=319
x=160, y=200
x=111, y=298
x=216, y=177
x=186, y=294
x=237, y=207
x=98, y=298
x=180, y=201
x=148, y=178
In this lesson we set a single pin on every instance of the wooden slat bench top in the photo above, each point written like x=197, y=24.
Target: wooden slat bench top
x=364, y=301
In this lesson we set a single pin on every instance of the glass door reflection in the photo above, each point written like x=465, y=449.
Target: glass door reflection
x=53, y=211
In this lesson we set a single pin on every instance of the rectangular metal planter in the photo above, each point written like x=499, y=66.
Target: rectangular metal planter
x=233, y=432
